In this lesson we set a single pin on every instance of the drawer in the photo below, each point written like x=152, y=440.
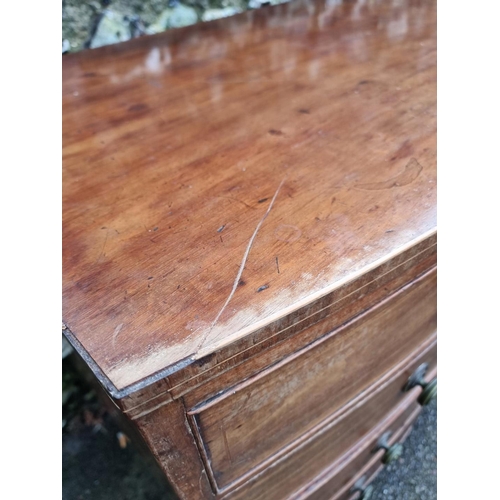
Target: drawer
x=244, y=427
x=368, y=473
x=342, y=475
x=324, y=446
x=365, y=461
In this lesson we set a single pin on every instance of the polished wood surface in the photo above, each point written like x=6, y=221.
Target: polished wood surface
x=323, y=446
x=244, y=426
x=219, y=177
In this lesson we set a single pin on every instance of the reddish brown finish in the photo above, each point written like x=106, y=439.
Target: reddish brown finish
x=249, y=205
x=251, y=422
x=219, y=178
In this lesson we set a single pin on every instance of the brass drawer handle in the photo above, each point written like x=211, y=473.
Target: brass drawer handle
x=365, y=491
x=392, y=453
x=429, y=389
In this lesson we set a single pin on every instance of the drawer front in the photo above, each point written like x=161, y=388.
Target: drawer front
x=366, y=460
x=312, y=457
x=244, y=427
x=336, y=483
x=368, y=473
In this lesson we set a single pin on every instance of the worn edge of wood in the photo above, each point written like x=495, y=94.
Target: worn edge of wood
x=162, y=393
x=106, y=381
x=203, y=405
x=311, y=298
x=330, y=421
x=433, y=245
x=164, y=396
x=211, y=348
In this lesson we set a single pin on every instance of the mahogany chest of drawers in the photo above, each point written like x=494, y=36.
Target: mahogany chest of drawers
x=249, y=242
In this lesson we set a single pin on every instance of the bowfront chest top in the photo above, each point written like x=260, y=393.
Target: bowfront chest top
x=234, y=193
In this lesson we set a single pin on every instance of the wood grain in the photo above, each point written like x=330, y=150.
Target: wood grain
x=300, y=465
x=256, y=419
x=364, y=460
x=174, y=448
x=287, y=151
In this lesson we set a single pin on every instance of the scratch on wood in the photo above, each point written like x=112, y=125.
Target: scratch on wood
x=242, y=265
x=226, y=444
x=170, y=272
x=247, y=398
x=199, y=481
x=116, y=332
x=277, y=265
x=103, y=247
x=409, y=174
x=236, y=199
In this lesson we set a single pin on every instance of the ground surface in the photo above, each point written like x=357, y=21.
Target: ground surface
x=414, y=475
